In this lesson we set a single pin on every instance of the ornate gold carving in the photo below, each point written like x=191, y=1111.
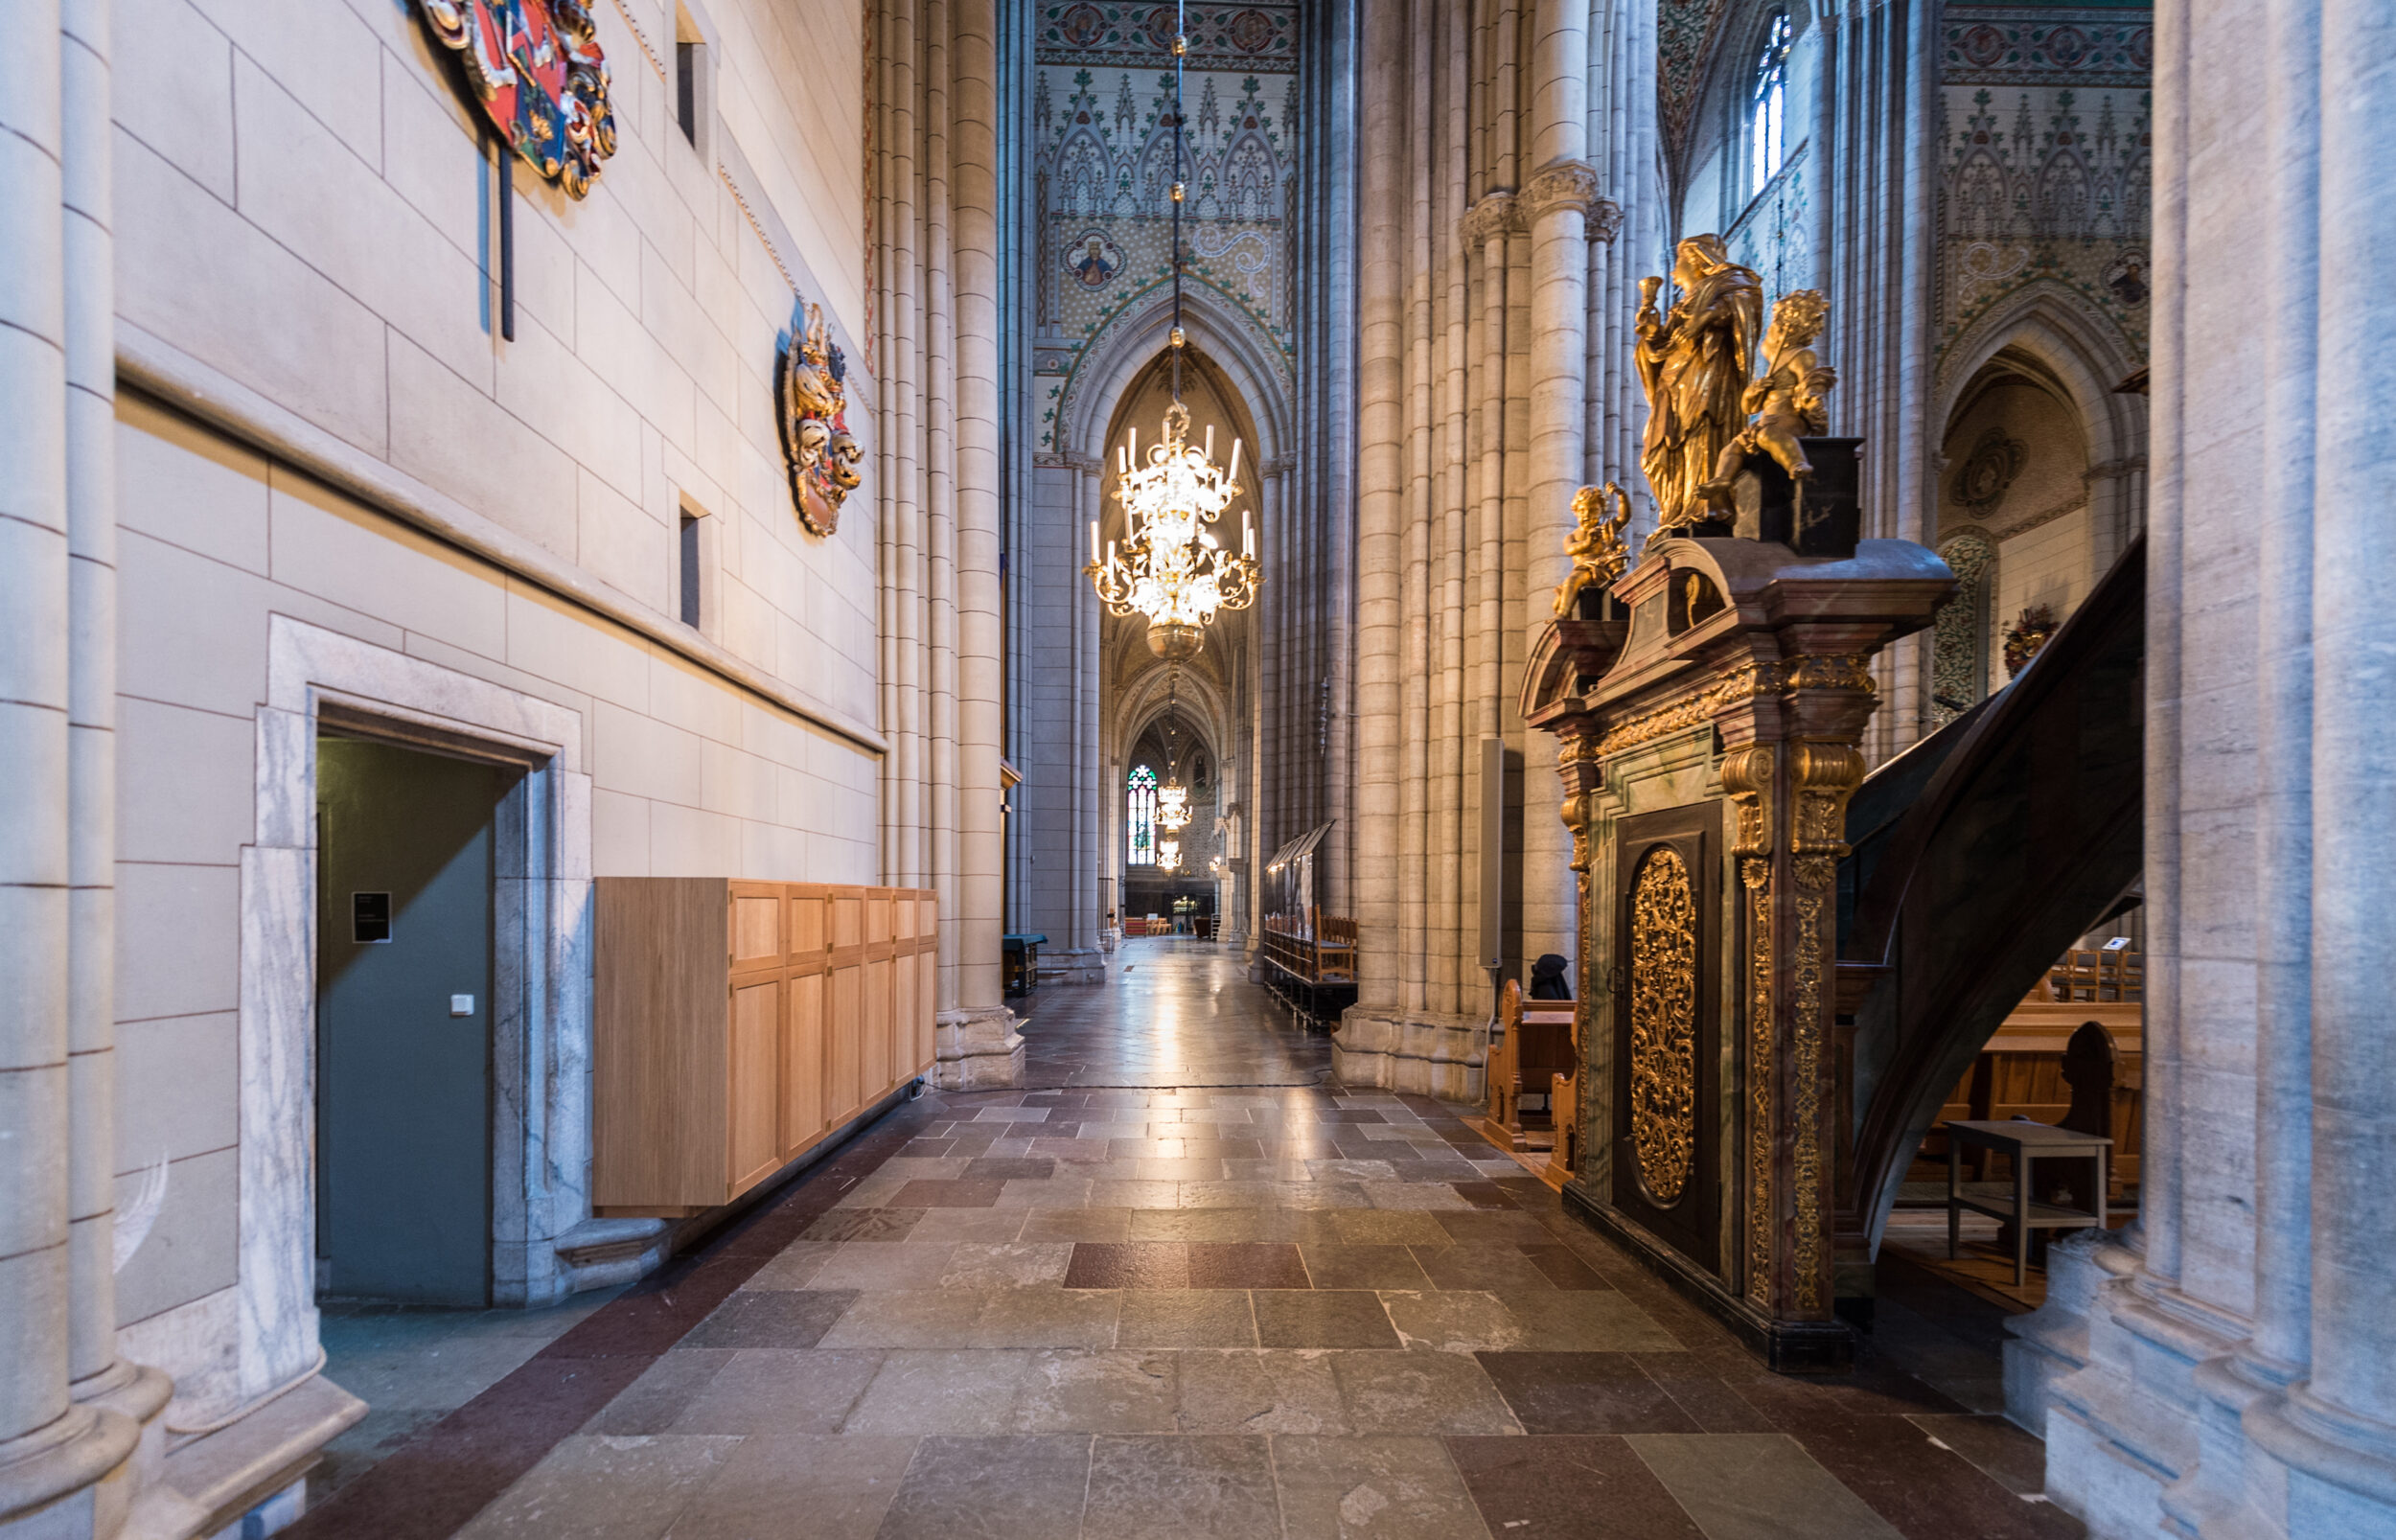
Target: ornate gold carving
x=1836, y=671
x=1747, y=778
x=822, y=457
x=1806, y=1112
x=1664, y=1022
x=1790, y=396
x=1595, y=545
x=1694, y=361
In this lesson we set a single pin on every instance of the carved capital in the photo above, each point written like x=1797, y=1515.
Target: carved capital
x=1606, y=220
x=1495, y=215
x=1564, y=184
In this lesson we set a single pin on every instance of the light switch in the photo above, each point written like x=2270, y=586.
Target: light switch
x=461, y=1004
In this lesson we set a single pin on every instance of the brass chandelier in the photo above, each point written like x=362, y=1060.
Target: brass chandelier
x=1170, y=568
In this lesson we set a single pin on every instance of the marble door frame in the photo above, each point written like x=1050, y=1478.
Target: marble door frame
x=540, y=1005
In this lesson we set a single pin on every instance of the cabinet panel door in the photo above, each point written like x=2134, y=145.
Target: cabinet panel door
x=847, y=1064
x=756, y=928
x=802, y=1064
x=753, y=1142
x=881, y=1064
x=904, y=973
x=926, y=977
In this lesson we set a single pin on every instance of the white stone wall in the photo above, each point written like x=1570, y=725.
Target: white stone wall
x=305, y=226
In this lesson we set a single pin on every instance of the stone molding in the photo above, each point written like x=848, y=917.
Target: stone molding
x=1068, y=460
x=1562, y=185
x=976, y=1049
x=1497, y=214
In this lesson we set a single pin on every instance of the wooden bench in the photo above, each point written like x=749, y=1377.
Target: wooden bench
x=1533, y=1046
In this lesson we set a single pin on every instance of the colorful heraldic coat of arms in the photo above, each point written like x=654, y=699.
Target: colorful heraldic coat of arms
x=537, y=67
x=822, y=456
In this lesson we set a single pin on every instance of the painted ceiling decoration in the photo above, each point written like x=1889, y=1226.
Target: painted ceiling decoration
x=538, y=70
x=817, y=448
x=1685, y=31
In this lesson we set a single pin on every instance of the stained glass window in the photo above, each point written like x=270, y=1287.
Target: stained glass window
x=1140, y=816
x=1767, y=105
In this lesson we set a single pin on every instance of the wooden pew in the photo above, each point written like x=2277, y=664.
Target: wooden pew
x=1533, y=1046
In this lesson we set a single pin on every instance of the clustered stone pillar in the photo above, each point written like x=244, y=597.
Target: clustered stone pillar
x=70, y=1413
x=1481, y=368
x=936, y=346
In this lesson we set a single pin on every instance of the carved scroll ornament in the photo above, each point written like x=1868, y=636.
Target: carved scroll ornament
x=1664, y=1024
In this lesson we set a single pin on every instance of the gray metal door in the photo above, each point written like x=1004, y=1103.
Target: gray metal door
x=403, y=1023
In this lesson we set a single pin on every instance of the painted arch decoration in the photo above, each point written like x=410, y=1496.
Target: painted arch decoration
x=537, y=70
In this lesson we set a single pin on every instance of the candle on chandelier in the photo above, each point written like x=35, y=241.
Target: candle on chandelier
x=1093, y=543
x=1247, y=530
x=1235, y=472
x=1209, y=444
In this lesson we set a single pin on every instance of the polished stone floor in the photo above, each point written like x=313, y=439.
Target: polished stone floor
x=1257, y=1306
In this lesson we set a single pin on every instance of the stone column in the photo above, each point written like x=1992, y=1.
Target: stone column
x=52, y=1450
x=1556, y=203
x=977, y=1044
x=2352, y=1397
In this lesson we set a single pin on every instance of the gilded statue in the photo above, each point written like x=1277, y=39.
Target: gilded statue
x=1789, y=398
x=1595, y=545
x=1695, y=361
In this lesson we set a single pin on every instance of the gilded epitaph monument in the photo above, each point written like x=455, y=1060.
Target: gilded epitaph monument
x=1708, y=703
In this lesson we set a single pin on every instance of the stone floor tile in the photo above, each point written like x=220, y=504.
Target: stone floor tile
x=1756, y=1486
x=1456, y=1320
x=909, y=1264
x=1046, y=1318
x=1373, y=1488
x=2016, y=1459
x=993, y=1168
x=1128, y=1265
x=1008, y=1265
x=1119, y=1391
x=793, y=1266
x=1130, y=1194
x=1483, y=1194
x=1492, y=1266
x=1215, y=1193
x=799, y=1486
x=1710, y=1401
x=1252, y=1391
x=1339, y=1266
x=864, y=1225
x=1569, y=1488
x=1076, y=1224
x=1589, y=1321
x=1922, y=1485
x=1071, y=1190
x=947, y=1194
x=1386, y=1226
x=1197, y=1223
x=1491, y=1226
x=1583, y=1393
x=1207, y=1486
x=776, y=1389
x=1563, y=1266
x=1322, y=1317
x=908, y=1318
x=992, y=1488
x=1246, y=1265
x=772, y=1318
x=948, y=1390
x=651, y=1403
x=603, y=1488
x=1185, y=1317
x=1419, y=1391
x=988, y=1227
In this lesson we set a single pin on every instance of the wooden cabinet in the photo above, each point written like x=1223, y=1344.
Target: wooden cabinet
x=736, y=1024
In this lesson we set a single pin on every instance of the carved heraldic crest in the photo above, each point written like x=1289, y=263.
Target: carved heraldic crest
x=822, y=457
x=538, y=70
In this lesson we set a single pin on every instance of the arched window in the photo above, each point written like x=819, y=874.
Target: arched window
x=1140, y=816
x=1766, y=105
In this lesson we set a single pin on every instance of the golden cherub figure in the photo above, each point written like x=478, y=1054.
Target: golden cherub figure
x=1789, y=397
x=1595, y=545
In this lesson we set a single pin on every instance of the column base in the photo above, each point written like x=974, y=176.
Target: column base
x=977, y=1050
x=70, y=1479
x=1082, y=966
x=1425, y=1054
